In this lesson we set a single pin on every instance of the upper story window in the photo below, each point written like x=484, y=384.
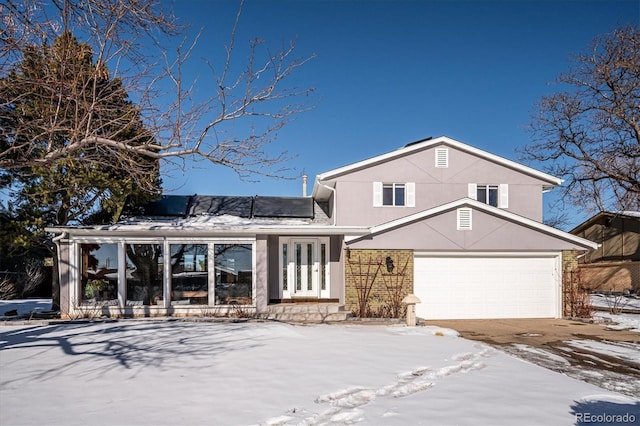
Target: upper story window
x=393, y=194
x=494, y=195
x=488, y=194
x=401, y=194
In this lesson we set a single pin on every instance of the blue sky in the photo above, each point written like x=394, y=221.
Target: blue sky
x=387, y=73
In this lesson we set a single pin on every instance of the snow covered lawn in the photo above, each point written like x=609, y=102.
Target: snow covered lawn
x=621, y=321
x=201, y=373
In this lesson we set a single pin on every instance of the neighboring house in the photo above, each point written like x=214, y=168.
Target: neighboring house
x=615, y=264
x=459, y=227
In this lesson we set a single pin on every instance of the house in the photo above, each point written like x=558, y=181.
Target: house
x=615, y=264
x=458, y=226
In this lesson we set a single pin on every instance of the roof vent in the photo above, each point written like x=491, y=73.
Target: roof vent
x=464, y=219
x=442, y=157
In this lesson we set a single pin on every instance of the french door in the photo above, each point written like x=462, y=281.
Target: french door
x=304, y=270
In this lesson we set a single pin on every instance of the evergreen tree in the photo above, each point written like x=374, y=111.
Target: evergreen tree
x=87, y=185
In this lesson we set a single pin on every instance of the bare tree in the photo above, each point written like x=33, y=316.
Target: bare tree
x=590, y=134
x=130, y=39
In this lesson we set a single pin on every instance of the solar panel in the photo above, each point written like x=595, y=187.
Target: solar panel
x=219, y=205
x=167, y=205
x=295, y=207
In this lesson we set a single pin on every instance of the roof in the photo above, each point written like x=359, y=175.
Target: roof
x=426, y=144
x=504, y=214
x=204, y=226
x=632, y=215
x=208, y=215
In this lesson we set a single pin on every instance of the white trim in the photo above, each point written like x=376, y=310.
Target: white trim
x=289, y=242
x=117, y=233
x=486, y=253
x=427, y=144
x=211, y=274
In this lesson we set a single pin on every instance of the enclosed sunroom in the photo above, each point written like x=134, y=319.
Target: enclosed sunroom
x=202, y=255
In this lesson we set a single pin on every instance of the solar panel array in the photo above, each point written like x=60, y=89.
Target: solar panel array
x=241, y=206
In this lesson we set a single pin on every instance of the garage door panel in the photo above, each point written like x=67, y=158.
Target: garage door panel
x=486, y=287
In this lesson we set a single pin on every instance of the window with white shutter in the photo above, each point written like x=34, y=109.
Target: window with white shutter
x=494, y=195
x=394, y=194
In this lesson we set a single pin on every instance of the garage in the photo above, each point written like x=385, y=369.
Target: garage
x=481, y=285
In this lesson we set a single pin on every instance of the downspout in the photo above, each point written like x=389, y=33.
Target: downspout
x=335, y=201
x=56, y=304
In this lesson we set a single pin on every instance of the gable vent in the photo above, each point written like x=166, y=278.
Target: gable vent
x=464, y=219
x=442, y=157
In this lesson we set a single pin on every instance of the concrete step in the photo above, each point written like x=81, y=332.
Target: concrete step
x=302, y=308
x=309, y=317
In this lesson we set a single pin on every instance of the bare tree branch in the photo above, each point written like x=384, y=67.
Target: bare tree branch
x=192, y=122
x=590, y=134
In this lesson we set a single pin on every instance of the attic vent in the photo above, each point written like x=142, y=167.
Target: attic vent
x=464, y=219
x=442, y=157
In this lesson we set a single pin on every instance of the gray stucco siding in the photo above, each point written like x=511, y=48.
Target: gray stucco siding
x=433, y=186
x=440, y=233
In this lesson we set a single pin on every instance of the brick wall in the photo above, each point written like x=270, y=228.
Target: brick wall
x=366, y=272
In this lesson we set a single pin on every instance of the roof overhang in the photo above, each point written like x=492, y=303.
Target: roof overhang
x=633, y=215
x=116, y=231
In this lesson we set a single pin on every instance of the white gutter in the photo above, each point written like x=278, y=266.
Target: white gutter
x=335, y=200
x=56, y=240
x=139, y=231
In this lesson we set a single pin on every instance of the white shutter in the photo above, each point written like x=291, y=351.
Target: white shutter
x=377, y=194
x=464, y=219
x=503, y=196
x=410, y=201
x=473, y=191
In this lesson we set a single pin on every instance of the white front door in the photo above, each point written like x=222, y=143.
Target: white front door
x=305, y=268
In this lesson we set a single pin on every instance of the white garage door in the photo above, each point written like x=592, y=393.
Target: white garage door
x=458, y=287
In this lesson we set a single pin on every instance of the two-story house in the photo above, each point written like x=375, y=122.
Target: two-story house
x=459, y=227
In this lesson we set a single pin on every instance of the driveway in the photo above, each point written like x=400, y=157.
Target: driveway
x=585, y=351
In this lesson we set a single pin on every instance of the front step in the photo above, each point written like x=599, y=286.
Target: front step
x=307, y=312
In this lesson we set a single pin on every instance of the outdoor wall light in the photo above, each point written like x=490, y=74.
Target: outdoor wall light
x=389, y=262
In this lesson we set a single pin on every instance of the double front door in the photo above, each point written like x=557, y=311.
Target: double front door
x=305, y=269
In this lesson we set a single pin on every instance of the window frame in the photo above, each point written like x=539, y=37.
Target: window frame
x=502, y=194
x=75, y=290
x=409, y=190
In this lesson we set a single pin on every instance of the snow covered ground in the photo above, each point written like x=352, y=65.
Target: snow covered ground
x=620, y=321
x=194, y=373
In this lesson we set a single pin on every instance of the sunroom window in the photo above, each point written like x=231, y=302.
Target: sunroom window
x=144, y=274
x=234, y=274
x=99, y=274
x=189, y=274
